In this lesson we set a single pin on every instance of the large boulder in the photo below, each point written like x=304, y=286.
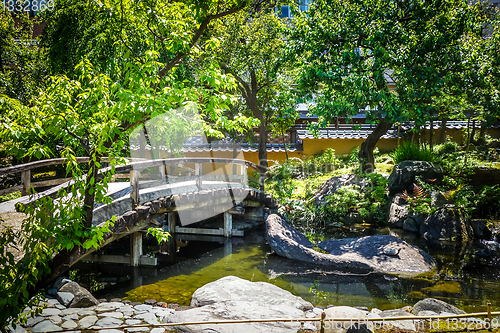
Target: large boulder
x=447, y=223
x=234, y=298
x=404, y=173
x=82, y=297
x=485, y=176
x=332, y=185
x=481, y=230
x=232, y=288
x=435, y=305
x=381, y=253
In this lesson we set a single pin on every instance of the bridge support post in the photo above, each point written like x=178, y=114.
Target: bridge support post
x=134, y=182
x=198, y=170
x=171, y=222
x=228, y=224
x=135, y=249
x=163, y=174
x=26, y=181
x=245, y=176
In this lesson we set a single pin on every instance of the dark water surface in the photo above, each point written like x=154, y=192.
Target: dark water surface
x=461, y=278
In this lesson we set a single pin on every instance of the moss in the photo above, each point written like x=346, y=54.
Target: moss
x=444, y=288
x=317, y=249
x=179, y=289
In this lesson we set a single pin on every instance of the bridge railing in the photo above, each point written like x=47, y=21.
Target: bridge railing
x=134, y=168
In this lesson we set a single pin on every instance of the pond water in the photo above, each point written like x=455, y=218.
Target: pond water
x=460, y=279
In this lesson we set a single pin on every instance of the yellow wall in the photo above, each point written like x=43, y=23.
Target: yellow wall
x=457, y=135
x=316, y=146
x=342, y=146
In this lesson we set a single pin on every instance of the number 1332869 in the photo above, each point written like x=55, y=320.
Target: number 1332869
x=27, y=5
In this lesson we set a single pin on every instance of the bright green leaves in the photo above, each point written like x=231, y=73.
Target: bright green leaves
x=160, y=235
x=362, y=49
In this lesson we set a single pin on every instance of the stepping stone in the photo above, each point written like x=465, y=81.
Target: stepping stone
x=158, y=330
x=82, y=313
x=110, y=331
x=33, y=321
x=73, y=316
x=133, y=322
x=111, y=314
x=149, y=318
x=70, y=311
x=109, y=306
x=55, y=319
x=86, y=322
x=50, y=312
x=45, y=326
x=108, y=322
x=143, y=307
x=69, y=325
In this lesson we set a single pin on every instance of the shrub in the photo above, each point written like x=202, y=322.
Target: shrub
x=447, y=147
x=411, y=151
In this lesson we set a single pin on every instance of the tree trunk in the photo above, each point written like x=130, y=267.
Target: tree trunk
x=89, y=199
x=442, y=131
x=262, y=144
x=431, y=145
x=473, y=133
x=284, y=143
x=366, y=159
x=482, y=133
x=468, y=142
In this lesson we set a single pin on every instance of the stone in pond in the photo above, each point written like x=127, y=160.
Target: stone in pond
x=363, y=254
x=438, y=306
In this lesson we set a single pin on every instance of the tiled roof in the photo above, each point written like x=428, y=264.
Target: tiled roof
x=453, y=124
x=229, y=147
x=343, y=134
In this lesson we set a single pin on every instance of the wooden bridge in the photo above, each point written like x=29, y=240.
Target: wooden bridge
x=175, y=193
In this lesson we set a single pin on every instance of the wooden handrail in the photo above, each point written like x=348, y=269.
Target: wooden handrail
x=134, y=166
x=137, y=165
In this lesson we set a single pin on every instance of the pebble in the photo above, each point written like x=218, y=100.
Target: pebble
x=105, y=315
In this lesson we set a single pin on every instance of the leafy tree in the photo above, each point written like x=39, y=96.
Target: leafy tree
x=109, y=32
x=22, y=63
x=248, y=47
x=95, y=112
x=355, y=49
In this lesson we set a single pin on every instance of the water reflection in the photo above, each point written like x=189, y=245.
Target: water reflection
x=460, y=279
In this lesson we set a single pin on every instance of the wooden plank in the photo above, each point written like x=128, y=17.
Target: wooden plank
x=26, y=182
x=202, y=231
x=135, y=249
x=42, y=163
x=134, y=182
x=199, y=173
x=11, y=189
x=117, y=259
x=244, y=175
x=137, y=164
x=228, y=224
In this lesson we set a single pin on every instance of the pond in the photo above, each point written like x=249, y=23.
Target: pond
x=460, y=279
